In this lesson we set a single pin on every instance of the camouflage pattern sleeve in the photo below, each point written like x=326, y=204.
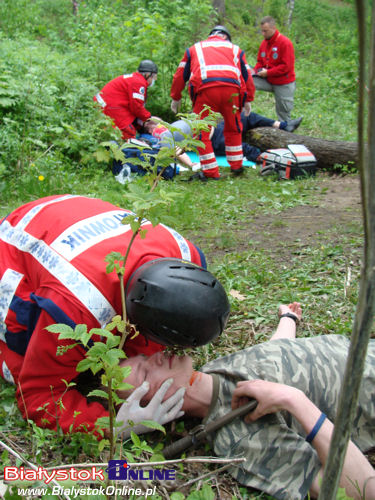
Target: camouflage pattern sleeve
x=278, y=459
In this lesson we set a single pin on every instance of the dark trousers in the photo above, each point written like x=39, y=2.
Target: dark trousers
x=248, y=122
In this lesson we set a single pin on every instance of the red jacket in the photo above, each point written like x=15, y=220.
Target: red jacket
x=126, y=92
x=211, y=63
x=276, y=55
x=52, y=270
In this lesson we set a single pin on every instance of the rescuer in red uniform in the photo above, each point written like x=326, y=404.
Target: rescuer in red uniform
x=218, y=76
x=52, y=270
x=274, y=70
x=123, y=99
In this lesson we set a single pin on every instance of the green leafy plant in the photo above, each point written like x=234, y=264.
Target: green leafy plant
x=101, y=356
x=149, y=197
x=105, y=356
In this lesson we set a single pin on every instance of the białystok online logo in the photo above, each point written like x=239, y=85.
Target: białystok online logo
x=117, y=470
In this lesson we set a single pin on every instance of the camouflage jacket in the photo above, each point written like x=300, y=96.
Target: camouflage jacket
x=279, y=461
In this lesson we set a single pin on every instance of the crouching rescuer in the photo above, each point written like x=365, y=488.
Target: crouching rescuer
x=53, y=270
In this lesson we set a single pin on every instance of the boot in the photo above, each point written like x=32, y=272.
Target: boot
x=292, y=125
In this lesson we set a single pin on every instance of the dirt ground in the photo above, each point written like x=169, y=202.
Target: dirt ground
x=333, y=219
x=337, y=211
x=339, y=206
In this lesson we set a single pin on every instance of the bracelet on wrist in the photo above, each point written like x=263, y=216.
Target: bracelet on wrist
x=291, y=316
x=316, y=428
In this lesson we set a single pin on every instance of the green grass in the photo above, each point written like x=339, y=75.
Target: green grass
x=223, y=219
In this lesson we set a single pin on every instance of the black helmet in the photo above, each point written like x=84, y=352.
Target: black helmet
x=175, y=302
x=147, y=66
x=221, y=29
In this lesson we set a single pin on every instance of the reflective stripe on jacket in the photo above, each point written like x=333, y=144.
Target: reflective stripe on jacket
x=128, y=93
x=213, y=62
x=52, y=269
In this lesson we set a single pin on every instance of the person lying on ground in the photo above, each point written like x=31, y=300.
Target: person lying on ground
x=286, y=438
x=158, y=134
x=250, y=122
x=53, y=270
x=164, y=136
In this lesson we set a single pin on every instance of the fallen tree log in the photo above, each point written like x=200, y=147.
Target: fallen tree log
x=328, y=153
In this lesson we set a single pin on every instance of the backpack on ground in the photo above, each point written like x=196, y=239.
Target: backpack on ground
x=291, y=163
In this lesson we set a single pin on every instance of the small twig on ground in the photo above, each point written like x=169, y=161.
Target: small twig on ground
x=315, y=216
x=208, y=474
x=210, y=460
x=44, y=153
x=165, y=492
x=250, y=337
x=348, y=278
x=217, y=486
x=30, y=464
x=15, y=446
x=15, y=453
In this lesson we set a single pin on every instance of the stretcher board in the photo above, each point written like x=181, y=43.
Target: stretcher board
x=221, y=160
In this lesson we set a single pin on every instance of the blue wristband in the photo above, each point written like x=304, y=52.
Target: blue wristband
x=316, y=427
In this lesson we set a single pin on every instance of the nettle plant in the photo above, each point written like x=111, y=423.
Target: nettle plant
x=148, y=199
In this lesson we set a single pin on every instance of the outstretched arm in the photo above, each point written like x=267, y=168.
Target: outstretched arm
x=273, y=397
x=287, y=326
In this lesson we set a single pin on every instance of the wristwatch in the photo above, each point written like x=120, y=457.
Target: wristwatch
x=291, y=316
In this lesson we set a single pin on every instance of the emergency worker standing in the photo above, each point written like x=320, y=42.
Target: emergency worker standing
x=123, y=99
x=52, y=270
x=219, y=77
x=274, y=70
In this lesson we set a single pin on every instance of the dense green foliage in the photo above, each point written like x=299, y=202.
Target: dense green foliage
x=51, y=65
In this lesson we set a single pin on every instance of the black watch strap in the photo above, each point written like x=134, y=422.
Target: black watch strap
x=291, y=316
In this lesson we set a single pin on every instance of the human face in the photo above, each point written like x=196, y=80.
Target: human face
x=152, y=79
x=156, y=369
x=150, y=126
x=267, y=30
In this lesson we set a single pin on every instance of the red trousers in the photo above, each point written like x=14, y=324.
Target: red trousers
x=10, y=364
x=117, y=114
x=226, y=101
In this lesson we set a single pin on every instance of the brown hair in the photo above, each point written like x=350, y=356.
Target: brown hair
x=268, y=20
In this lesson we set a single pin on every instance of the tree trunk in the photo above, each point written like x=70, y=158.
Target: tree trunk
x=364, y=317
x=219, y=6
x=328, y=153
x=290, y=4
